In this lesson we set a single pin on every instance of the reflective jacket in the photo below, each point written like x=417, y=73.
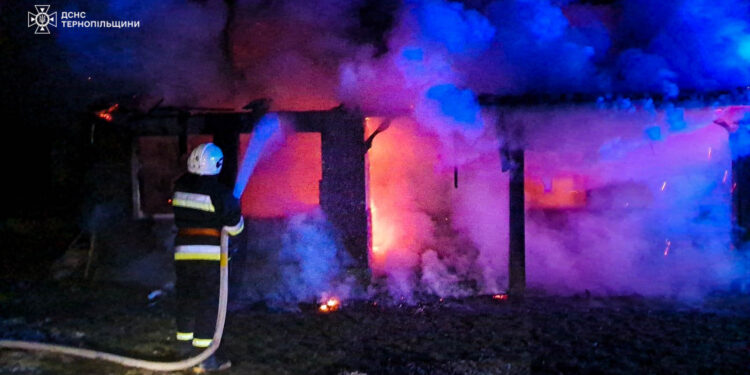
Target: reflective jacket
x=202, y=207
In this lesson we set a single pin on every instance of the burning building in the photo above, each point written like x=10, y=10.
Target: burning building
x=603, y=157
x=306, y=195
x=608, y=186
x=617, y=196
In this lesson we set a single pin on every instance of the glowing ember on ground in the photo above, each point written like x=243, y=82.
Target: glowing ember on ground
x=332, y=304
x=106, y=114
x=500, y=297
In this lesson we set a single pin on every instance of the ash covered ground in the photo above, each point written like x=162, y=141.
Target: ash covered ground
x=478, y=335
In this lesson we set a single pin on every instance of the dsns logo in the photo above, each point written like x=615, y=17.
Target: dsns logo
x=42, y=19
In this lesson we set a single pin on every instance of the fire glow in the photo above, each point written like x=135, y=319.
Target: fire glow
x=106, y=114
x=500, y=297
x=386, y=162
x=331, y=305
x=296, y=161
x=563, y=192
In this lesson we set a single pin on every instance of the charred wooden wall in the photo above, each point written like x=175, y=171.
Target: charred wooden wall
x=342, y=187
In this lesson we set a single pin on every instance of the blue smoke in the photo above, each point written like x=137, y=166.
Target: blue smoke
x=676, y=119
x=413, y=54
x=461, y=105
x=502, y=46
x=538, y=20
x=264, y=130
x=459, y=29
x=654, y=133
x=643, y=72
x=702, y=42
x=308, y=261
x=541, y=52
x=296, y=260
x=744, y=49
x=642, y=46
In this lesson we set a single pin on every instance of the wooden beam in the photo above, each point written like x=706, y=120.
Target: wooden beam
x=517, y=225
x=512, y=155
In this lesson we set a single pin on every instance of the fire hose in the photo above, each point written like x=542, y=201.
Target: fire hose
x=140, y=363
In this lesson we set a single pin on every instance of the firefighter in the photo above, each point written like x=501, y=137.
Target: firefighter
x=202, y=207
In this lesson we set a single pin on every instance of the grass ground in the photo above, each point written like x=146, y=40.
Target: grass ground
x=478, y=335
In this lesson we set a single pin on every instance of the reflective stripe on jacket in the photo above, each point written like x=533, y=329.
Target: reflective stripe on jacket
x=200, y=202
x=202, y=207
x=197, y=252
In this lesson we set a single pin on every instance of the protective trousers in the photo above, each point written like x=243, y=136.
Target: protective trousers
x=197, y=289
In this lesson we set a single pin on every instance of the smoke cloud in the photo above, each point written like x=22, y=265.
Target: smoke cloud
x=306, y=55
x=296, y=260
x=657, y=213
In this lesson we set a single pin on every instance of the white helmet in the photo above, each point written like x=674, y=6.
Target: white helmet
x=206, y=159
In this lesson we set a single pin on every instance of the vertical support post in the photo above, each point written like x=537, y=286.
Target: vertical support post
x=517, y=220
x=512, y=155
x=739, y=139
x=740, y=201
x=736, y=120
x=342, y=188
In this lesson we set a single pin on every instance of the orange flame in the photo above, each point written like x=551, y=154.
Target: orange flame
x=106, y=114
x=395, y=157
x=500, y=297
x=331, y=305
x=565, y=192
